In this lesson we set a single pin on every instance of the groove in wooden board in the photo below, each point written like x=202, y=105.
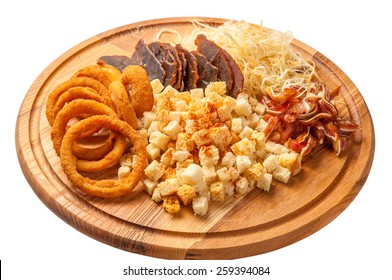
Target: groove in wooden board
x=243, y=226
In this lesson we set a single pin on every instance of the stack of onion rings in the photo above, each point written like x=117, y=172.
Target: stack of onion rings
x=101, y=105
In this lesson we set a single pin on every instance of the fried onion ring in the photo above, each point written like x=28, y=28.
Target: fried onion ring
x=110, y=71
x=98, y=151
x=121, y=102
x=107, y=188
x=94, y=72
x=72, y=110
x=107, y=161
x=77, y=93
x=74, y=82
x=142, y=98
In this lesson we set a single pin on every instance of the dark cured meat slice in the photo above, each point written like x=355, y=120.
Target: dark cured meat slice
x=191, y=75
x=215, y=55
x=238, y=77
x=145, y=57
x=208, y=73
x=118, y=61
x=167, y=60
x=181, y=76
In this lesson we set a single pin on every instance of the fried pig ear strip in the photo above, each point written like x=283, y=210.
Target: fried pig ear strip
x=72, y=110
x=73, y=82
x=94, y=72
x=108, y=188
x=142, y=98
x=121, y=102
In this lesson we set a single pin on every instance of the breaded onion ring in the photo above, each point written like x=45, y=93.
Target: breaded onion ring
x=120, y=99
x=76, y=93
x=142, y=98
x=72, y=110
x=94, y=72
x=74, y=82
x=107, y=161
x=107, y=188
x=96, y=152
x=110, y=71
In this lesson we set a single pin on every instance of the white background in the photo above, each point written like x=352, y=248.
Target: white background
x=36, y=244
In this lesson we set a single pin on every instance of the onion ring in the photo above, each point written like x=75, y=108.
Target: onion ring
x=74, y=82
x=76, y=93
x=110, y=71
x=94, y=72
x=121, y=102
x=142, y=98
x=93, y=153
x=107, y=188
x=72, y=110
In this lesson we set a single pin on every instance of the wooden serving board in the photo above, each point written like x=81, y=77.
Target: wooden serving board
x=242, y=226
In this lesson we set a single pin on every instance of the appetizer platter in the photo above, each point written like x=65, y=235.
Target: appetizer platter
x=195, y=138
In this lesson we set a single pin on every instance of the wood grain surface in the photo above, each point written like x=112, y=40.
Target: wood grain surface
x=242, y=226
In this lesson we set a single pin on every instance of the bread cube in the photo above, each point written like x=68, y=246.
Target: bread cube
x=159, y=139
x=171, y=204
x=153, y=152
x=271, y=162
x=192, y=174
x=236, y=125
x=180, y=156
x=242, y=185
x=200, y=205
x=242, y=163
x=157, y=86
x=154, y=170
x=228, y=159
x=209, y=155
x=265, y=182
x=275, y=148
x=255, y=172
x=242, y=107
x=168, y=187
x=217, y=192
x=291, y=161
x=209, y=173
x=244, y=147
x=156, y=195
x=184, y=142
x=216, y=87
x=123, y=171
x=246, y=132
x=186, y=193
x=149, y=186
x=226, y=108
x=282, y=174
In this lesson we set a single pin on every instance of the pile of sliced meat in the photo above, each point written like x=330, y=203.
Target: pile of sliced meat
x=183, y=69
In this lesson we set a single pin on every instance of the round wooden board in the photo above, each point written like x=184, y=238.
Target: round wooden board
x=242, y=226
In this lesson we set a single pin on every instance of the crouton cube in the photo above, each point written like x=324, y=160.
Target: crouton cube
x=217, y=87
x=271, y=162
x=282, y=174
x=265, y=182
x=156, y=195
x=171, y=204
x=180, y=156
x=209, y=173
x=149, y=186
x=236, y=125
x=192, y=174
x=242, y=107
x=291, y=161
x=275, y=148
x=217, y=192
x=228, y=159
x=172, y=129
x=255, y=172
x=186, y=193
x=200, y=205
x=242, y=163
x=244, y=147
x=154, y=170
x=242, y=185
x=157, y=86
x=124, y=171
x=153, y=151
x=159, y=139
x=168, y=187
x=209, y=155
